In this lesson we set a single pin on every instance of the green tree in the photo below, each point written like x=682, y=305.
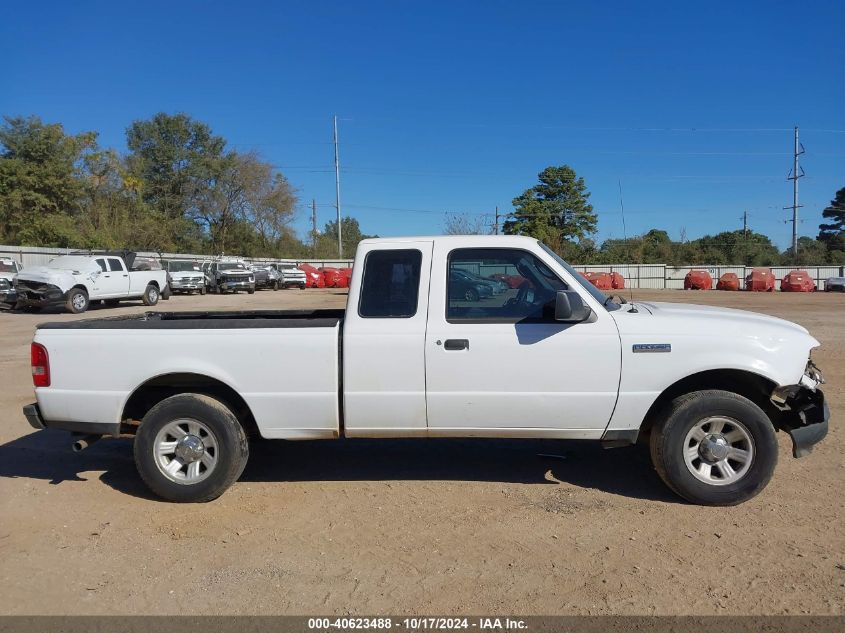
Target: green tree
x=41, y=189
x=243, y=189
x=327, y=240
x=833, y=232
x=556, y=210
x=176, y=160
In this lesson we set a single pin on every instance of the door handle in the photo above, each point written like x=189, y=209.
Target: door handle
x=454, y=344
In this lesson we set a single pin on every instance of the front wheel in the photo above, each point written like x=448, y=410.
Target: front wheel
x=151, y=295
x=202, y=290
x=714, y=448
x=190, y=448
x=77, y=301
x=251, y=291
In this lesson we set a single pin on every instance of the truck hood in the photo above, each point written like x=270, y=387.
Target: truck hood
x=720, y=323
x=54, y=276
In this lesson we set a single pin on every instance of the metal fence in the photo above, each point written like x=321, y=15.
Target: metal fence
x=636, y=275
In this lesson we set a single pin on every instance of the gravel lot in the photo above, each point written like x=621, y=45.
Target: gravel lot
x=416, y=526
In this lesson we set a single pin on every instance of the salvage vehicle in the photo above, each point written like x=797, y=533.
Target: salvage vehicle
x=185, y=275
x=262, y=276
x=73, y=281
x=231, y=276
x=9, y=269
x=834, y=284
x=290, y=276
x=410, y=357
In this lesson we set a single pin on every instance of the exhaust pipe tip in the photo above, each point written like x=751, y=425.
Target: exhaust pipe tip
x=84, y=442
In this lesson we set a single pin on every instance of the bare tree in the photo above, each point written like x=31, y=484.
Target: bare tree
x=467, y=224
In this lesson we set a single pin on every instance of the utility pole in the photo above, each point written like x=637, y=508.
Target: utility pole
x=496, y=226
x=794, y=176
x=744, y=236
x=313, y=228
x=337, y=192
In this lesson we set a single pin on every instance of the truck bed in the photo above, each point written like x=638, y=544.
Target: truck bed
x=205, y=320
x=284, y=364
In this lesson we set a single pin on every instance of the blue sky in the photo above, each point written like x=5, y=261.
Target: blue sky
x=455, y=106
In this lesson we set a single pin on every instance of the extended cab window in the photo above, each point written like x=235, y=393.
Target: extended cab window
x=500, y=284
x=102, y=264
x=391, y=284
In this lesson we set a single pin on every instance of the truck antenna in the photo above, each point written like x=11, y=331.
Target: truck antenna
x=627, y=245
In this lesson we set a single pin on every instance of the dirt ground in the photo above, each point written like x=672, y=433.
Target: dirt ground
x=416, y=526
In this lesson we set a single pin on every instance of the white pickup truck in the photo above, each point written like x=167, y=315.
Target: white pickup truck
x=74, y=281
x=417, y=355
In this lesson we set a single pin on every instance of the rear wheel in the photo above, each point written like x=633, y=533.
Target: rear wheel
x=251, y=291
x=77, y=301
x=151, y=295
x=202, y=290
x=714, y=448
x=190, y=448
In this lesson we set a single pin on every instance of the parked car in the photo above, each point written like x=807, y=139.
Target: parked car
x=75, y=280
x=797, y=281
x=9, y=269
x=834, y=284
x=185, y=275
x=409, y=358
x=462, y=287
x=230, y=277
x=262, y=276
x=289, y=275
x=493, y=286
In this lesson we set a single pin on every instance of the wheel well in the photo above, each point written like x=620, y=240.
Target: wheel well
x=153, y=283
x=744, y=383
x=157, y=389
x=80, y=287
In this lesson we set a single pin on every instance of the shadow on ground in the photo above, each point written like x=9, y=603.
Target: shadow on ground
x=46, y=455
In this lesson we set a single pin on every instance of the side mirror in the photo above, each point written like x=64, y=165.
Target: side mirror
x=570, y=308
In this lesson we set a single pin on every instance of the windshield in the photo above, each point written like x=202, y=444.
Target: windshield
x=183, y=266
x=6, y=267
x=597, y=294
x=231, y=266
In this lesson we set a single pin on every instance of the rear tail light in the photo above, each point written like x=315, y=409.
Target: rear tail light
x=40, y=365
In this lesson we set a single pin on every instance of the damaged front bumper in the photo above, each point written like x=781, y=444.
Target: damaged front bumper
x=803, y=412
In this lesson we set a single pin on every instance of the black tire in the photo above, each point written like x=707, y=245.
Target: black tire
x=669, y=441
x=275, y=286
x=151, y=295
x=166, y=293
x=302, y=286
x=251, y=291
x=471, y=294
x=202, y=290
x=231, y=441
x=77, y=301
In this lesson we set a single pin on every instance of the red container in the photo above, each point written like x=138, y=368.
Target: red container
x=698, y=280
x=313, y=277
x=602, y=281
x=330, y=276
x=797, y=281
x=617, y=280
x=513, y=281
x=728, y=281
x=344, y=277
x=760, y=280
